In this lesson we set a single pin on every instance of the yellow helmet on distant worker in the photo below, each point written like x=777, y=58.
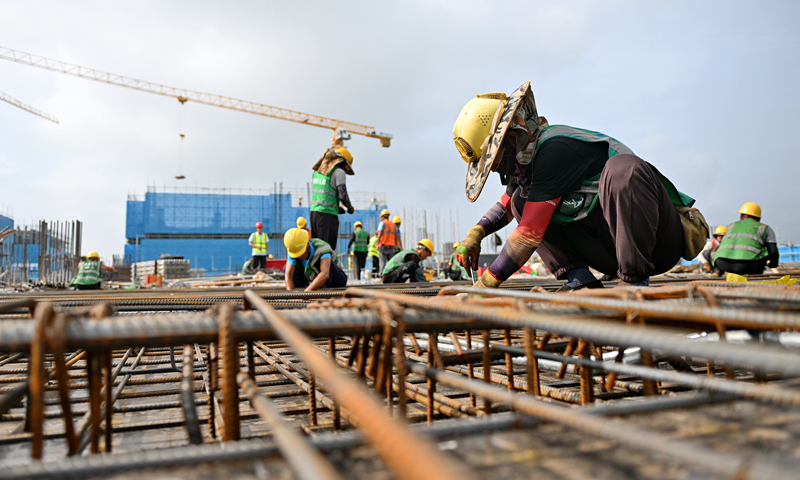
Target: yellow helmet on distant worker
x=93, y=254
x=296, y=242
x=721, y=230
x=358, y=224
x=301, y=222
x=345, y=153
x=456, y=244
x=384, y=213
x=751, y=208
x=427, y=244
x=396, y=220
x=476, y=122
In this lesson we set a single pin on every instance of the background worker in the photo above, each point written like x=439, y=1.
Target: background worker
x=555, y=176
x=88, y=277
x=359, y=240
x=260, y=243
x=405, y=264
x=328, y=191
x=312, y=263
x=711, y=246
x=748, y=246
x=374, y=256
x=387, y=239
x=454, y=269
x=301, y=223
x=396, y=221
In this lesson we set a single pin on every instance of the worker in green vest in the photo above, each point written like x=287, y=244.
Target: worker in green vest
x=374, y=255
x=88, y=277
x=405, y=265
x=454, y=270
x=359, y=241
x=748, y=245
x=259, y=241
x=329, y=190
x=312, y=263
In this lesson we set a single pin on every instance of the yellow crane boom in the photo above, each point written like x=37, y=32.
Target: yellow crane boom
x=13, y=101
x=340, y=127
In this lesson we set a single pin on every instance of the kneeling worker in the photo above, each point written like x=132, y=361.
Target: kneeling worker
x=88, y=277
x=748, y=245
x=711, y=247
x=405, y=264
x=312, y=263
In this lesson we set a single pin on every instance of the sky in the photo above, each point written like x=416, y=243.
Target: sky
x=704, y=90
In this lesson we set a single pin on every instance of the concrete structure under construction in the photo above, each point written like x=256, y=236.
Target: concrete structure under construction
x=211, y=226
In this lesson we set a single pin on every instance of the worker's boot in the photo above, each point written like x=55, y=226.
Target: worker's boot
x=579, y=278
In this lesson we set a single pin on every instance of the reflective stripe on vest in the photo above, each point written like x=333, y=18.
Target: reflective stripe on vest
x=89, y=273
x=361, y=244
x=373, y=246
x=743, y=241
x=388, y=236
x=324, y=198
x=320, y=249
x=395, y=262
x=260, y=242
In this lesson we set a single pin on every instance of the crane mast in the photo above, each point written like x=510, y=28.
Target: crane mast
x=341, y=128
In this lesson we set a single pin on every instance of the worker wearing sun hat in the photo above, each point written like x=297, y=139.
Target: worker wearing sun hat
x=329, y=195
x=405, y=265
x=555, y=176
x=312, y=263
x=88, y=277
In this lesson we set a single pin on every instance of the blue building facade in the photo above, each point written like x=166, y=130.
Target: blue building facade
x=211, y=227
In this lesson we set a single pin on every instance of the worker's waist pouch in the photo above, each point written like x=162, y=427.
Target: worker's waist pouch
x=695, y=231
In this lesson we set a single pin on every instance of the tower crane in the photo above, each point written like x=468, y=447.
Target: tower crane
x=341, y=129
x=13, y=101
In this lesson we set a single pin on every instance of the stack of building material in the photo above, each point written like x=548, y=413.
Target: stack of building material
x=168, y=268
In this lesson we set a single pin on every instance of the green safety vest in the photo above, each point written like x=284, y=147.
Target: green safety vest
x=324, y=198
x=396, y=261
x=373, y=246
x=580, y=203
x=261, y=244
x=88, y=274
x=361, y=244
x=454, y=264
x=743, y=241
x=320, y=248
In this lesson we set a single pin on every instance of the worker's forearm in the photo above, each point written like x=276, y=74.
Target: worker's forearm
x=773, y=255
x=289, y=276
x=343, y=196
x=524, y=240
x=319, y=280
x=498, y=216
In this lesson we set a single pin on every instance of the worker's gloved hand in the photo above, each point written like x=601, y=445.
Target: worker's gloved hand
x=350, y=209
x=772, y=264
x=469, y=250
x=487, y=280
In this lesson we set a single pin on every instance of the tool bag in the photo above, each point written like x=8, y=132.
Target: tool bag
x=695, y=231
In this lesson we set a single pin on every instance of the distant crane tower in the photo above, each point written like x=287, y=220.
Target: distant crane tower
x=13, y=101
x=341, y=129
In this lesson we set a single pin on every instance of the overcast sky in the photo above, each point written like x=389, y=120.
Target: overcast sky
x=706, y=91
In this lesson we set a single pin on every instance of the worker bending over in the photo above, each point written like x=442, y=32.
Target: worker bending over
x=748, y=246
x=581, y=198
x=359, y=241
x=405, y=264
x=88, y=277
x=455, y=271
x=312, y=263
x=328, y=191
x=260, y=243
x=710, y=248
x=387, y=239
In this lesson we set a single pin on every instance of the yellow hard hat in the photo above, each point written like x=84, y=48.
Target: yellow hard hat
x=93, y=254
x=358, y=224
x=427, y=244
x=301, y=222
x=396, y=220
x=751, y=208
x=721, y=230
x=456, y=244
x=384, y=213
x=345, y=153
x=296, y=241
x=476, y=122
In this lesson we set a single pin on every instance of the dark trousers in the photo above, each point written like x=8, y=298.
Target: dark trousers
x=634, y=231
x=93, y=286
x=259, y=261
x=741, y=267
x=407, y=271
x=325, y=227
x=360, y=259
x=336, y=277
x=386, y=253
x=375, y=264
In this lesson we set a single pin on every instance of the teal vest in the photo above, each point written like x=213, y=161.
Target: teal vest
x=396, y=261
x=89, y=273
x=324, y=198
x=743, y=241
x=361, y=244
x=580, y=203
x=320, y=248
